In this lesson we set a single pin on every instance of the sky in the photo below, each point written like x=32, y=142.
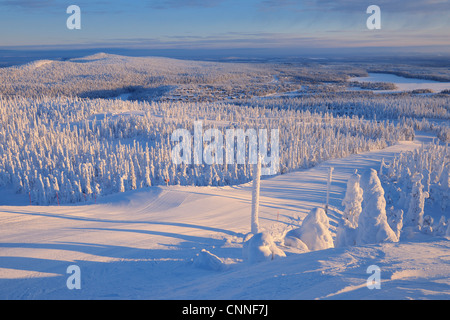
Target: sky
x=287, y=25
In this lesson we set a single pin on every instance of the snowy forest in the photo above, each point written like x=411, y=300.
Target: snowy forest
x=67, y=150
x=59, y=145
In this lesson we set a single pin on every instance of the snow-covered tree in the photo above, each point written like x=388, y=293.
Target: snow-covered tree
x=255, y=197
x=447, y=233
x=147, y=179
x=98, y=190
x=442, y=226
x=372, y=223
x=42, y=195
x=427, y=225
x=395, y=220
x=133, y=182
x=329, y=179
x=414, y=216
x=122, y=184
x=353, y=200
x=346, y=231
x=55, y=187
x=444, y=188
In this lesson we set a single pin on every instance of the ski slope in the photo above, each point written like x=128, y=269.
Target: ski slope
x=140, y=245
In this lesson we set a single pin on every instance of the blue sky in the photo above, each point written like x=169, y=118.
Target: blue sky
x=224, y=24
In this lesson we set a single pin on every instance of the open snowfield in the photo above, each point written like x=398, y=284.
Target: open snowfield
x=140, y=244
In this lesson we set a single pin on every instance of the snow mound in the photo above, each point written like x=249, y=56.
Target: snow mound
x=261, y=247
x=207, y=260
x=315, y=231
x=291, y=240
x=345, y=235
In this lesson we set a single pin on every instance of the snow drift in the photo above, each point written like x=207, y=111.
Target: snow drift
x=261, y=247
x=314, y=232
x=207, y=260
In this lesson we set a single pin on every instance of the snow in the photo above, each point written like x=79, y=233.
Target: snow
x=143, y=244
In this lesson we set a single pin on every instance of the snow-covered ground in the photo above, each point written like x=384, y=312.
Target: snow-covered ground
x=403, y=84
x=142, y=244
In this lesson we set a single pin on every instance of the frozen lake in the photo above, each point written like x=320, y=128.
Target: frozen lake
x=403, y=84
